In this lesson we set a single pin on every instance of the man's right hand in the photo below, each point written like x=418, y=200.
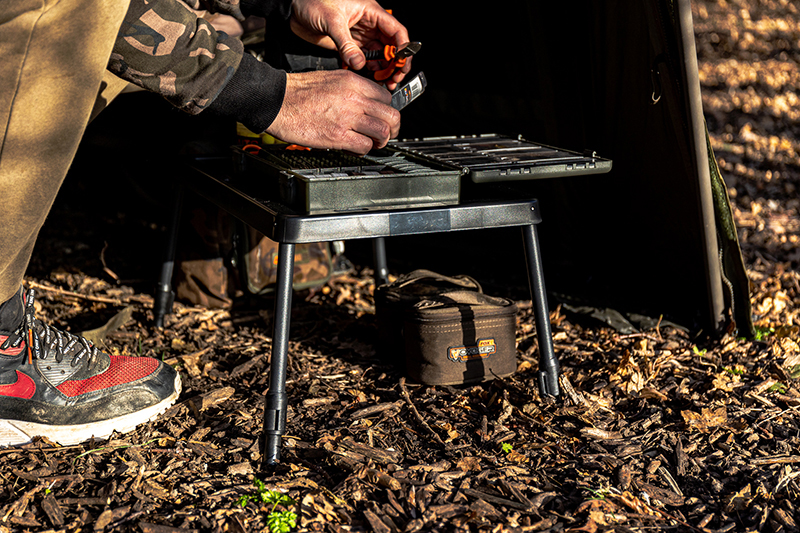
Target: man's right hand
x=335, y=109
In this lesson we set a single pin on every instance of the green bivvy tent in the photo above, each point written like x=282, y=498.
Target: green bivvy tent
x=654, y=236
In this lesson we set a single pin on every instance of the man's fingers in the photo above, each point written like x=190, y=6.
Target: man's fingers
x=389, y=25
x=352, y=56
x=349, y=51
x=376, y=92
x=381, y=126
x=311, y=36
x=357, y=143
x=388, y=116
x=336, y=109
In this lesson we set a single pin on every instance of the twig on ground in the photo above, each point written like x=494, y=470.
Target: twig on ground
x=418, y=416
x=100, y=299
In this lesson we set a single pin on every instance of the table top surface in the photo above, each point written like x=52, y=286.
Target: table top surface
x=485, y=207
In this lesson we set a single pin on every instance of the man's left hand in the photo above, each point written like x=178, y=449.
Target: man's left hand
x=348, y=26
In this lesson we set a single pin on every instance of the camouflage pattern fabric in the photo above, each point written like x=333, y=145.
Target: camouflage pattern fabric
x=214, y=267
x=205, y=274
x=312, y=264
x=241, y=8
x=229, y=7
x=165, y=48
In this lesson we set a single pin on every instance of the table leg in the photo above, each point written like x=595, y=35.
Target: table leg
x=277, y=400
x=548, y=363
x=164, y=295
x=379, y=258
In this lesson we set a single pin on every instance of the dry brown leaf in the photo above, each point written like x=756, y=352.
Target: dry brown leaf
x=633, y=503
x=740, y=500
x=628, y=374
x=191, y=362
x=321, y=507
x=602, y=402
x=469, y=464
x=452, y=434
x=589, y=527
x=605, y=506
x=790, y=350
x=725, y=381
x=515, y=457
x=706, y=419
x=523, y=366
x=650, y=392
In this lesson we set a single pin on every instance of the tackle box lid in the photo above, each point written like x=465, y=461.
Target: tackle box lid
x=491, y=157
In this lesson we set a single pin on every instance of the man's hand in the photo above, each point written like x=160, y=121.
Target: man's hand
x=335, y=109
x=348, y=26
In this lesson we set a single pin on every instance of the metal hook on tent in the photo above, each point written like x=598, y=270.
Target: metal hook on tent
x=655, y=79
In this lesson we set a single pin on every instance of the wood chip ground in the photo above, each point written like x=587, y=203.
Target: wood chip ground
x=657, y=430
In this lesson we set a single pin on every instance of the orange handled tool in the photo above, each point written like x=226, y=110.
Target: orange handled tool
x=395, y=56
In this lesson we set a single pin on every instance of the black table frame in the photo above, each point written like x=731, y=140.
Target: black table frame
x=288, y=229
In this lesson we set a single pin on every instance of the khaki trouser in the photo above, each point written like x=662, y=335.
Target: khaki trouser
x=53, y=56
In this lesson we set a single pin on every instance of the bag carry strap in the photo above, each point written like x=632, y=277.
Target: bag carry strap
x=466, y=282
x=460, y=298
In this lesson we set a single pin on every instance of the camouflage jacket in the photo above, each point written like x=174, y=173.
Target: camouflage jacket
x=240, y=8
x=164, y=47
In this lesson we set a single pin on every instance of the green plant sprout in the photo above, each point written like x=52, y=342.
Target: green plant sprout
x=277, y=521
x=779, y=387
x=598, y=494
x=698, y=351
x=763, y=332
x=281, y=521
x=733, y=371
x=794, y=372
x=507, y=447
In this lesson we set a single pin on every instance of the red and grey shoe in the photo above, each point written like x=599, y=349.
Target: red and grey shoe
x=59, y=386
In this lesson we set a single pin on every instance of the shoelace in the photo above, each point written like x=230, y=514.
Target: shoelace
x=55, y=340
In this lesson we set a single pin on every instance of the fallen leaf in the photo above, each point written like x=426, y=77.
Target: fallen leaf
x=469, y=464
x=725, y=381
x=629, y=374
x=95, y=336
x=706, y=419
x=589, y=527
x=740, y=500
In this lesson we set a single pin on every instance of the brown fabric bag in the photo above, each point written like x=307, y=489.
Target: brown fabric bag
x=443, y=330
x=205, y=273
x=460, y=337
x=220, y=259
x=392, y=300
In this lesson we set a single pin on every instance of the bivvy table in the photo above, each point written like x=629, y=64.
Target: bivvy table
x=211, y=180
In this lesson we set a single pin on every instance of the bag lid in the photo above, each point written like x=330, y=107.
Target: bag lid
x=414, y=286
x=460, y=306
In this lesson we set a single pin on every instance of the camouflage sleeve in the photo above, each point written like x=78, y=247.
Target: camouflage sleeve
x=240, y=8
x=229, y=7
x=165, y=48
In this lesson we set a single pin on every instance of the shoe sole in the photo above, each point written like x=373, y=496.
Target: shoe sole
x=16, y=433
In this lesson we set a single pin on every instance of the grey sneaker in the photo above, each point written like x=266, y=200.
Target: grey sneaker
x=59, y=386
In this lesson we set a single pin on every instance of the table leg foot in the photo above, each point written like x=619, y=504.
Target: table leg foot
x=164, y=296
x=277, y=401
x=548, y=362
